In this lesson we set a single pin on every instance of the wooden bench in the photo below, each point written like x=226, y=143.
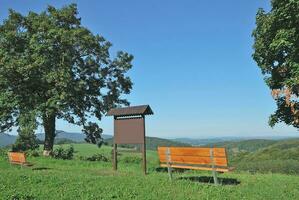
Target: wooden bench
x=197, y=158
x=18, y=158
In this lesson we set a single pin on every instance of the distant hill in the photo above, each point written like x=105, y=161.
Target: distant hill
x=274, y=156
x=244, y=145
x=215, y=140
x=6, y=139
x=201, y=142
x=152, y=143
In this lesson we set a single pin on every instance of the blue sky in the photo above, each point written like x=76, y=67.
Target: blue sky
x=192, y=63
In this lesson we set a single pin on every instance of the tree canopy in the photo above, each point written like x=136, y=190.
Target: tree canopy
x=52, y=67
x=276, y=48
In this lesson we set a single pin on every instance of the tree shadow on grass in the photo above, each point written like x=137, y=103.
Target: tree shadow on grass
x=41, y=168
x=209, y=179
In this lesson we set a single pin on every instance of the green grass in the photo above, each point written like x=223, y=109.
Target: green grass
x=77, y=179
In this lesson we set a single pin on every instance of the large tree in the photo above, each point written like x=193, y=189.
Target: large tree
x=277, y=54
x=52, y=67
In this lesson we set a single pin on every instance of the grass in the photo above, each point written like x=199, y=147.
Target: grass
x=78, y=179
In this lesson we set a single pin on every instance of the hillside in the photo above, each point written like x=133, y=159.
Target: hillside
x=6, y=139
x=74, y=136
x=244, y=145
x=79, y=179
x=152, y=143
x=280, y=156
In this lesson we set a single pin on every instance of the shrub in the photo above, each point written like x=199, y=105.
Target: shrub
x=65, y=154
x=25, y=141
x=96, y=157
x=32, y=153
x=3, y=153
x=60, y=141
x=131, y=159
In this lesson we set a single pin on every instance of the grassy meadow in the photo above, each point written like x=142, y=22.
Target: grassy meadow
x=80, y=179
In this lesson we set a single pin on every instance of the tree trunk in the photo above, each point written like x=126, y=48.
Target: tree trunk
x=49, y=127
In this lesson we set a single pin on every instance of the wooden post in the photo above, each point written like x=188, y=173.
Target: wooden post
x=214, y=172
x=114, y=157
x=144, y=157
x=168, y=157
x=144, y=148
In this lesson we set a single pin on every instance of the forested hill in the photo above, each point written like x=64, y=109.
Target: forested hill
x=276, y=156
x=245, y=145
x=152, y=143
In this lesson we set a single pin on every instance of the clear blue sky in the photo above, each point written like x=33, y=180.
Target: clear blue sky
x=192, y=63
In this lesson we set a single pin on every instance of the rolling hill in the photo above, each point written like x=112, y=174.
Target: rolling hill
x=152, y=143
x=264, y=155
x=244, y=145
x=6, y=139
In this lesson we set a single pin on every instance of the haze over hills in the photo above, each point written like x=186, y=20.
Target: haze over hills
x=152, y=143
x=6, y=139
x=213, y=140
x=76, y=137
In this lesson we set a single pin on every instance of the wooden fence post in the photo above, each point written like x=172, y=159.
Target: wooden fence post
x=114, y=157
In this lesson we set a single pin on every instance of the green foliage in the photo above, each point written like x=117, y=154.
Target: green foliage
x=263, y=156
x=63, y=141
x=25, y=141
x=243, y=146
x=96, y=157
x=273, y=166
x=276, y=53
x=131, y=159
x=3, y=153
x=64, y=153
x=33, y=153
x=52, y=67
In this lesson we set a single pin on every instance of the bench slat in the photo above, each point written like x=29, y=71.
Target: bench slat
x=197, y=168
x=17, y=158
x=194, y=160
x=193, y=151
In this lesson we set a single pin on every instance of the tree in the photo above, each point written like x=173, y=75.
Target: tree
x=51, y=67
x=276, y=48
x=26, y=139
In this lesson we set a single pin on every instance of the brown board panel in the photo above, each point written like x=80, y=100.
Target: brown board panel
x=129, y=131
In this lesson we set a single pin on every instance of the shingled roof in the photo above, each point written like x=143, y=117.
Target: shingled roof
x=132, y=110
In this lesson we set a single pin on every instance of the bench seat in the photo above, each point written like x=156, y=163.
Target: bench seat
x=18, y=158
x=196, y=158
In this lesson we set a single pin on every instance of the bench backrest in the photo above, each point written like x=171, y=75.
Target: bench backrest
x=208, y=157
x=16, y=157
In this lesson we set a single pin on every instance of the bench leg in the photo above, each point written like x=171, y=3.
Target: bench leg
x=168, y=157
x=215, y=177
x=169, y=172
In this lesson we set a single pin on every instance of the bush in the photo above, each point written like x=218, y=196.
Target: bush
x=32, y=153
x=25, y=141
x=273, y=166
x=3, y=153
x=132, y=159
x=96, y=157
x=65, y=154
